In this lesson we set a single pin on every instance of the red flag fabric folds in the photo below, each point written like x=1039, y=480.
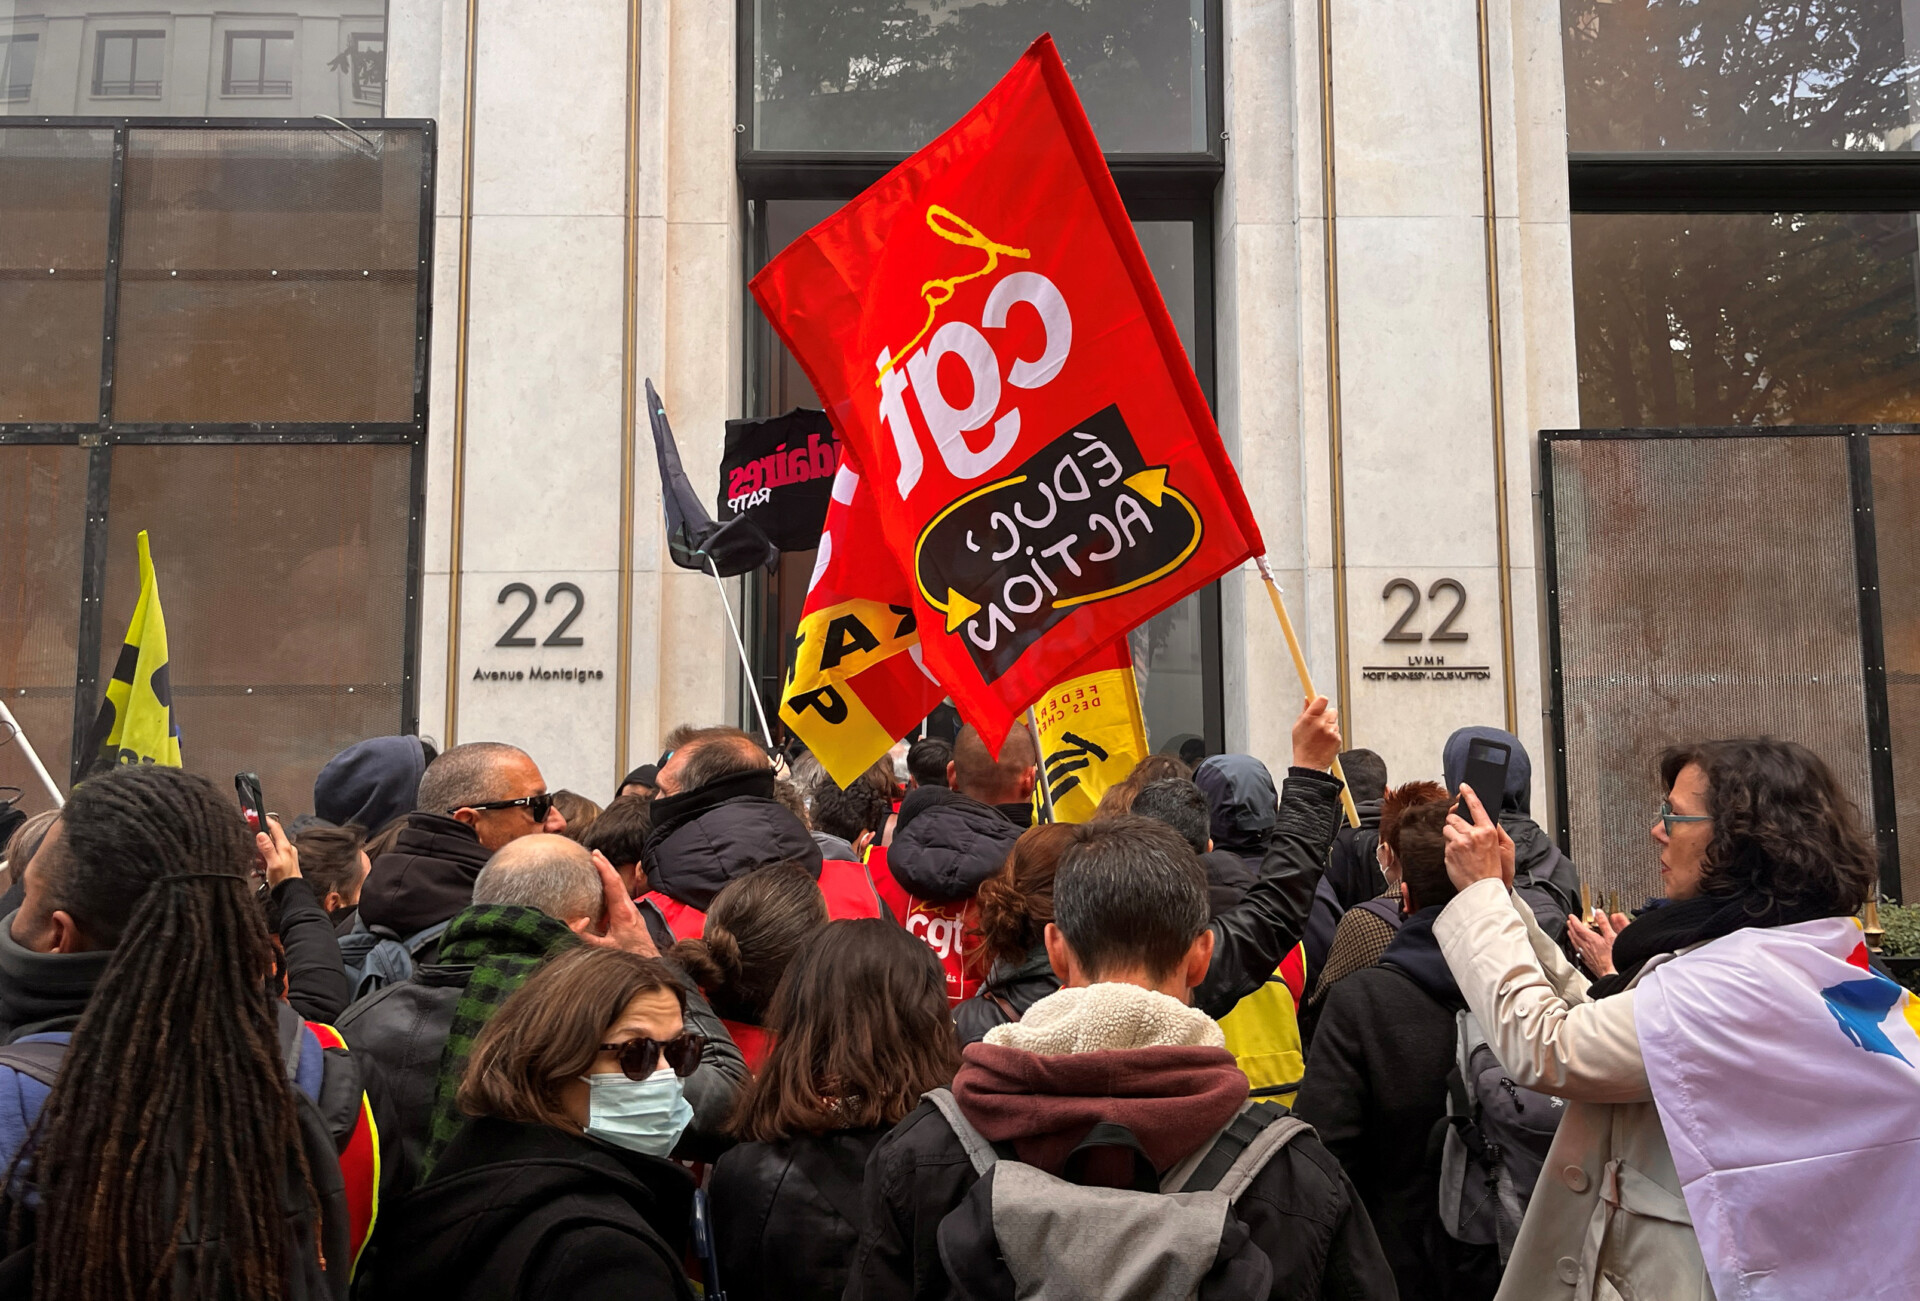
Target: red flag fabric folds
x=988, y=338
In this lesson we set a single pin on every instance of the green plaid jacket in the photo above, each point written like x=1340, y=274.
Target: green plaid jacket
x=505, y=944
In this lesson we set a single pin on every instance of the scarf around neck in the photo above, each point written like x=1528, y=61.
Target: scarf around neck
x=1687, y=922
x=504, y=944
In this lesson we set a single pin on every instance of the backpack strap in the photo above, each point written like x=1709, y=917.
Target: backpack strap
x=420, y=939
x=1244, y=1148
x=38, y=1060
x=978, y=1149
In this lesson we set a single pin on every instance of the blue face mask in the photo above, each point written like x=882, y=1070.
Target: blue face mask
x=640, y=1115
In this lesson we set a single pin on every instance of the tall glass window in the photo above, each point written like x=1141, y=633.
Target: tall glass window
x=832, y=96
x=1744, y=189
x=1747, y=75
x=888, y=77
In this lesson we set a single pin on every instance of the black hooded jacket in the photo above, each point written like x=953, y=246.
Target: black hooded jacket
x=426, y=878
x=516, y=1210
x=945, y=844
x=371, y=782
x=706, y=837
x=1242, y=804
x=1376, y=1085
x=1249, y=939
x=1542, y=875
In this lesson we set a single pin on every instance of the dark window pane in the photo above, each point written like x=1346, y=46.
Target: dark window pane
x=243, y=60
x=282, y=573
x=16, y=67
x=1746, y=319
x=116, y=64
x=268, y=276
x=364, y=64
x=54, y=186
x=1740, y=74
x=277, y=63
x=43, y=518
x=1896, y=526
x=890, y=76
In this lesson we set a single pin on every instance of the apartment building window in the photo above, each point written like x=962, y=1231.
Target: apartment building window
x=17, y=54
x=259, y=63
x=126, y=65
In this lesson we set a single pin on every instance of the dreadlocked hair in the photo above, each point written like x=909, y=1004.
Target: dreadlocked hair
x=172, y=1121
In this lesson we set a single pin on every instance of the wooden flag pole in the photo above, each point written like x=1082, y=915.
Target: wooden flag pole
x=1306, y=678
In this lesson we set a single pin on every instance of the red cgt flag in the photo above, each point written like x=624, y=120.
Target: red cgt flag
x=987, y=336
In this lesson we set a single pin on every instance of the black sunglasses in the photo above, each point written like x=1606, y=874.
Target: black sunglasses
x=640, y=1058
x=536, y=806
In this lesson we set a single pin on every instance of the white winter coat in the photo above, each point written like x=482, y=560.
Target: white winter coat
x=1607, y=1221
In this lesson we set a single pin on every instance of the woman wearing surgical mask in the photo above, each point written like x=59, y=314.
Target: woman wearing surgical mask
x=561, y=1185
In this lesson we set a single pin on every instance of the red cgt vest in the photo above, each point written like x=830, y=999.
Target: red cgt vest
x=944, y=927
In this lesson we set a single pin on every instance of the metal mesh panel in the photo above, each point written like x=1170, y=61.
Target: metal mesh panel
x=43, y=519
x=1896, y=519
x=1706, y=589
x=54, y=186
x=282, y=573
x=269, y=276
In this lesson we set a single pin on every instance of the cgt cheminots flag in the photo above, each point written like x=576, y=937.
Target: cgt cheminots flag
x=988, y=339
x=1787, y=1076
x=135, y=724
x=1091, y=732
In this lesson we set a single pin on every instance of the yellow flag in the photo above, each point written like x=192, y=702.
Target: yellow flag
x=136, y=717
x=1091, y=732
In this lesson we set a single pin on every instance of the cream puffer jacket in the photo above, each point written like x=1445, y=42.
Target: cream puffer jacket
x=1607, y=1221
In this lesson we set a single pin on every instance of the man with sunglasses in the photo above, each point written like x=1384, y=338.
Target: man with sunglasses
x=474, y=799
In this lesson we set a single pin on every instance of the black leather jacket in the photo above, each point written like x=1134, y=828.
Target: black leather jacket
x=1249, y=939
x=787, y=1215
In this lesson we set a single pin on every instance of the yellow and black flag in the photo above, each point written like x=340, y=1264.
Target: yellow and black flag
x=1091, y=731
x=136, y=717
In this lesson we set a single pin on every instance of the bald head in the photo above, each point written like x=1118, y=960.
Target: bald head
x=551, y=873
x=975, y=772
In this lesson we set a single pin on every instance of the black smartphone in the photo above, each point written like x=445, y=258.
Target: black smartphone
x=1487, y=774
x=252, y=807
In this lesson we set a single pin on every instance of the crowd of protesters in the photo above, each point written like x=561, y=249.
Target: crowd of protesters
x=744, y=1032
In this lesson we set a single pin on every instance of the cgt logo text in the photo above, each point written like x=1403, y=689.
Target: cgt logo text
x=942, y=934
x=1082, y=520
